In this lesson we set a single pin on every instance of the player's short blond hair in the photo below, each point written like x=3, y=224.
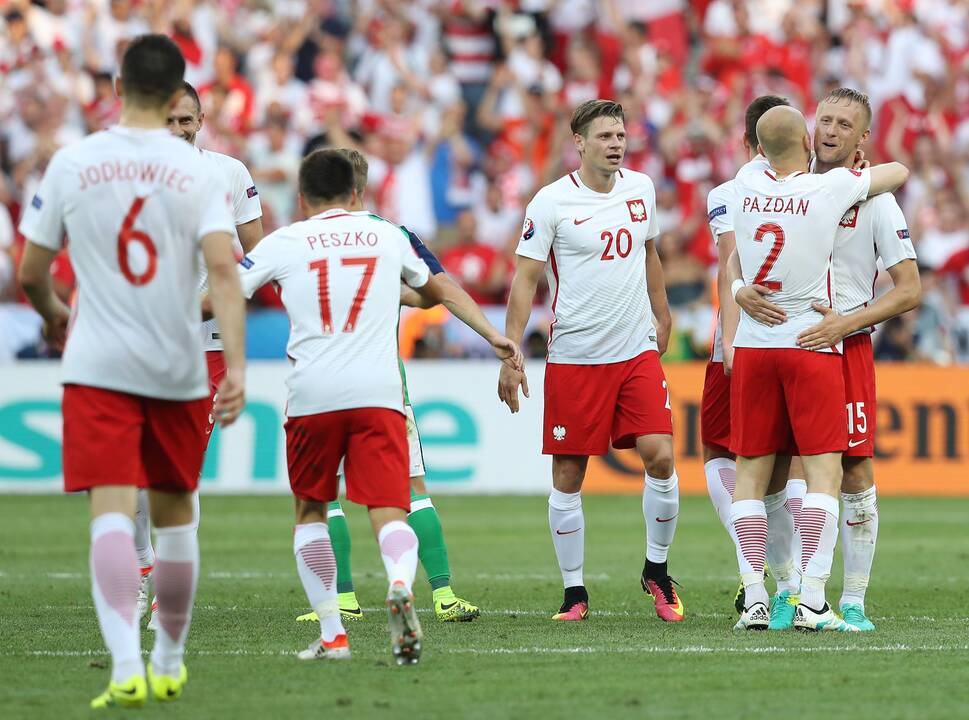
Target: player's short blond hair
x=360, y=168
x=590, y=110
x=852, y=96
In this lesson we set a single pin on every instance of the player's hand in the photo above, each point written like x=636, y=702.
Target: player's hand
x=231, y=398
x=859, y=162
x=55, y=326
x=509, y=353
x=751, y=299
x=663, y=338
x=508, y=382
x=727, y=360
x=830, y=331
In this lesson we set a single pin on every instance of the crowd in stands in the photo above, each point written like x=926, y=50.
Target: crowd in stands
x=462, y=108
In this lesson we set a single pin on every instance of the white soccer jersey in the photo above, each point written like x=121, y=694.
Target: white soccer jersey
x=135, y=205
x=594, y=246
x=245, y=208
x=339, y=274
x=869, y=230
x=785, y=230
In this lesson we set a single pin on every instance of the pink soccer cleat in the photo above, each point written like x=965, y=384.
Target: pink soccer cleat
x=669, y=607
x=575, y=611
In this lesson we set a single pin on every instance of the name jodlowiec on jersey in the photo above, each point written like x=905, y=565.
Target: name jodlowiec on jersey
x=594, y=246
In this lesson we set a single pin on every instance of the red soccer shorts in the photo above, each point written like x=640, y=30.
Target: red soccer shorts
x=116, y=438
x=859, y=373
x=781, y=397
x=586, y=405
x=373, y=443
x=204, y=421
x=715, y=408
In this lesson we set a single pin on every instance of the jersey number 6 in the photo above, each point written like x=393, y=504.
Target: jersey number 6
x=322, y=270
x=775, y=251
x=127, y=236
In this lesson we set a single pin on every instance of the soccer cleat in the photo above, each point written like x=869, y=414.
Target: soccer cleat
x=132, y=693
x=166, y=687
x=669, y=607
x=854, y=615
x=338, y=649
x=143, y=590
x=405, y=629
x=740, y=599
x=825, y=620
x=782, y=607
x=153, y=620
x=349, y=609
x=573, y=611
x=450, y=608
x=755, y=617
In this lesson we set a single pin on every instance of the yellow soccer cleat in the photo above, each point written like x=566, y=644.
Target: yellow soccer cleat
x=132, y=693
x=349, y=609
x=448, y=607
x=165, y=687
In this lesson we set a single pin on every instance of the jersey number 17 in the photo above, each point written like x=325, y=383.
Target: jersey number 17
x=322, y=270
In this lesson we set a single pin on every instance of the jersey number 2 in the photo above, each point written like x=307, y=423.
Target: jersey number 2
x=775, y=251
x=127, y=236
x=322, y=270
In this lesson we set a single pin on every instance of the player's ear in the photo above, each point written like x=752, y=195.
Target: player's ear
x=579, y=142
x=201, y=120
x=118, y=89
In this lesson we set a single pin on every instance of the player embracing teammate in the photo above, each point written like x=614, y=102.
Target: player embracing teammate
x=592, y=233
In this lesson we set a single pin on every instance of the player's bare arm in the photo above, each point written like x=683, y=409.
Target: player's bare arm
x=409, y=297
x=250, y=234
x=528, y=272
x=887, y=177
x=751, y=298
x=729, y=310
x=438, y=289
x=904, y=296
x=39, y=288
x=656, y=289
x=229, y=308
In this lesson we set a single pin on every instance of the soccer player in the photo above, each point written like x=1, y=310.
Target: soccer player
x=185, y=121
x=422, y=517
x=137, y=205
x=593, y=234
x=719, y=461
x=339, y=274
x=782, y=396
x=869, y=230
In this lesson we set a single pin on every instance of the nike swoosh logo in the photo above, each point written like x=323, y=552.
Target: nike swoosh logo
x=659, y=519
x=567, y=532
x=579, y=222
x=127, y=691
x=448, y=607
x=856, y=443
x=852, y=524
x=679, y=607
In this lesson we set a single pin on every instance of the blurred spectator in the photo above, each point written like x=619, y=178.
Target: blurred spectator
x=275, y=169
x=480, y=269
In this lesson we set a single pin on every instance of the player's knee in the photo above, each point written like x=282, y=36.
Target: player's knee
x=858, y=476
x=660, y=465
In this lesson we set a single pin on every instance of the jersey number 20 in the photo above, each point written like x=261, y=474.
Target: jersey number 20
x=322, y=270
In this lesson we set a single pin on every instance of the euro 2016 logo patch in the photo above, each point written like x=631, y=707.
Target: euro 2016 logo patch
x=850, y=218
x=528, y=229
x=637, y=210
x=252, y=192
x=902, y=234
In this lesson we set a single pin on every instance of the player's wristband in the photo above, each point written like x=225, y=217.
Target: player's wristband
x=736, y=286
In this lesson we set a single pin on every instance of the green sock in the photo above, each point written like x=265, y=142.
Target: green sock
x=340, y=540
x=432, y=551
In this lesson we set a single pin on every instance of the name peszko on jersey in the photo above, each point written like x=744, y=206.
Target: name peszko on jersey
x=868, y=231
x=245, y=208
x=785, y=231
x=339, y=277
x=594, y=247
x=135, y=205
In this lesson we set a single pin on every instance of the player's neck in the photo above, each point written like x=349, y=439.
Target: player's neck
x=133, y=116
x=783, y=167
x=314, y=210
x=822, y=167
x=596, y=180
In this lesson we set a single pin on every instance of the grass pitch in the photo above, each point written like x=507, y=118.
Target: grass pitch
x=513, y=662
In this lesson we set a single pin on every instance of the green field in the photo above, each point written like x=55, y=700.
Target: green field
x=513, y=662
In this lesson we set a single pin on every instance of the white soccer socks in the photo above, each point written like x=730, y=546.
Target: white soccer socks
x=567, y=525
x=661, y=507
x=749, y=521
x=398, y=550
x=316, y=565
x=859, y=533
x=176, y=578
x=780, y=540
x=796, y=490
x=819, y=534
x=721, y=479
x=114, y=587
x=146, y=553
